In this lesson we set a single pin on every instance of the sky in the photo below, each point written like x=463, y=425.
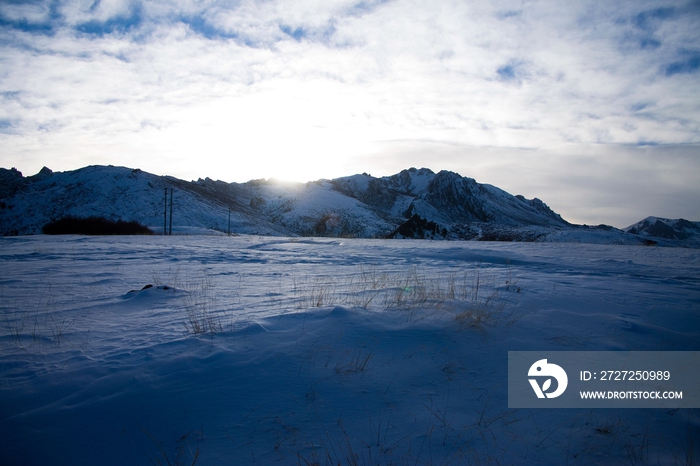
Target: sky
x=591, y=106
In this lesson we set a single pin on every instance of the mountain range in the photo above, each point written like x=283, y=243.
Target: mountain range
x=415, y=203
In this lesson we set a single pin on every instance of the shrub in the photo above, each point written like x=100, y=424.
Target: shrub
x=418, y=227
x=94, y=226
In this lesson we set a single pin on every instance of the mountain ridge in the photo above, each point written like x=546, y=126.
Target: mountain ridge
x=414, y=203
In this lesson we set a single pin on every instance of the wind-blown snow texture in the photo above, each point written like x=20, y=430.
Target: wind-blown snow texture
x=326, y=351
x=415, y=203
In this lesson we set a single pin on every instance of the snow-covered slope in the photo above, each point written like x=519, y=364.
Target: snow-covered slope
x=415, y=203
x=298, y=351
x=120, y=193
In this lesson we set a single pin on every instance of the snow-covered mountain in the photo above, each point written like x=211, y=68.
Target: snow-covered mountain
x=669, y=229
x=117, y=193
x=415, y=203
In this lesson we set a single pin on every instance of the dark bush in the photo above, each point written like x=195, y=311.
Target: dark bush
x=418, y=227
x=94, y=226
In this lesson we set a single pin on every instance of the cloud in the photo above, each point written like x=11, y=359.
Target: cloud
x=25, y=12
x=121, y=23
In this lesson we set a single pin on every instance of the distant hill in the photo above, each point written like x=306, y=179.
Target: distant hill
x=667, y=229
x=415, y=203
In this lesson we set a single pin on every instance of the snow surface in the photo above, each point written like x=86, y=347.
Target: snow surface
x=258, y=350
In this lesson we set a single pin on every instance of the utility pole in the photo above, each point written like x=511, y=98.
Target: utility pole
x=165, y=214
x=171, y=211
x=229, y=220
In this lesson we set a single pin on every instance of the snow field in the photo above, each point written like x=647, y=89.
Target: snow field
x=250, y=350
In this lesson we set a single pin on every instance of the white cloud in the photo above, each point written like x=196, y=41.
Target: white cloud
x=32, y=13
x=77, y=12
